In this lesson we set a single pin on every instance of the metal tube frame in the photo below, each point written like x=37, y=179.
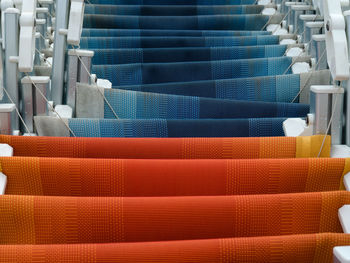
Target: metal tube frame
x=326, y=103
x=6, y=116
x=33, y=103
x=11, y=74
x=59, y=53
x=77, y=72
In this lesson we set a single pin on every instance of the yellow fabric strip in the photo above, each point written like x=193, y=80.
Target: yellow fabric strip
x=307, y=147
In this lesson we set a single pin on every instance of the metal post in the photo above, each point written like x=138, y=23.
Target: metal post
x=37, y=58
x=34, y=104
x=11, y=76
x=327, y=105
x=319, y=46
x=303, y=19
x=59, y=54
x=77, y=72
x=297, y=11
x=288, y=6
x=27, y=105
x=6, y=112
x=312, y=28
x=40, y=103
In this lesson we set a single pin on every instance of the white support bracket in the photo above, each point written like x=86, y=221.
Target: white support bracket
x=75, y=24
x=336, y=41
x=3, y=183
x=347, y=181
x=320, y=5
x=344, y=218
x=27, y=36
x=294, y=127
x=341, y=254
x=6, y=150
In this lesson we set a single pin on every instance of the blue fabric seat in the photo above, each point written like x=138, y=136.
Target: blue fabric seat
x=100, y=32
x=173, y=2
x=142, y=105
x=177, y=128
x=169, y=41
x=278, y=88
x=173, y=10
x=211, y=22
x=185, y=68
x=148, y=73
x=154, y=55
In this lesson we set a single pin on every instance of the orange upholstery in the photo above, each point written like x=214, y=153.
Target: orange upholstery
x=73, y=220
x=71, y=209
x=289, y=249
x=110, y=177
x=165, y=148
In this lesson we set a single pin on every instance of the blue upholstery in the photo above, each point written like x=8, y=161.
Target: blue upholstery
x=100, y=32
x=147, y=73
x=187, y=68
x=173, y=10
x=173, y=2
x=177, y=128
x=141, y=105
x=280, y=88
x=169, y=41
x=154, y=55
x=213, y=22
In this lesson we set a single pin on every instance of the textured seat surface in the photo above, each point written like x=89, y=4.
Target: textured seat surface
x=110, y=177
x=175, y=148
x=74, y=220
x=100, y=32
x=290, y=249
x=173, y=2
x=176, y=41
x=153, y=55
x=142, y=105
x=156, y=128
x=172, y=10
x=205, y=22
x=148, y=73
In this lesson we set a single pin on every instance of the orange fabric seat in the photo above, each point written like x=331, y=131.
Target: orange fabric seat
x=166, y=148
x=71, y=220
x=290, y=249
x=111, y=177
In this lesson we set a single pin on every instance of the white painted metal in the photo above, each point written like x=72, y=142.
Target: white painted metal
x=336, y=41
x=27, y=36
